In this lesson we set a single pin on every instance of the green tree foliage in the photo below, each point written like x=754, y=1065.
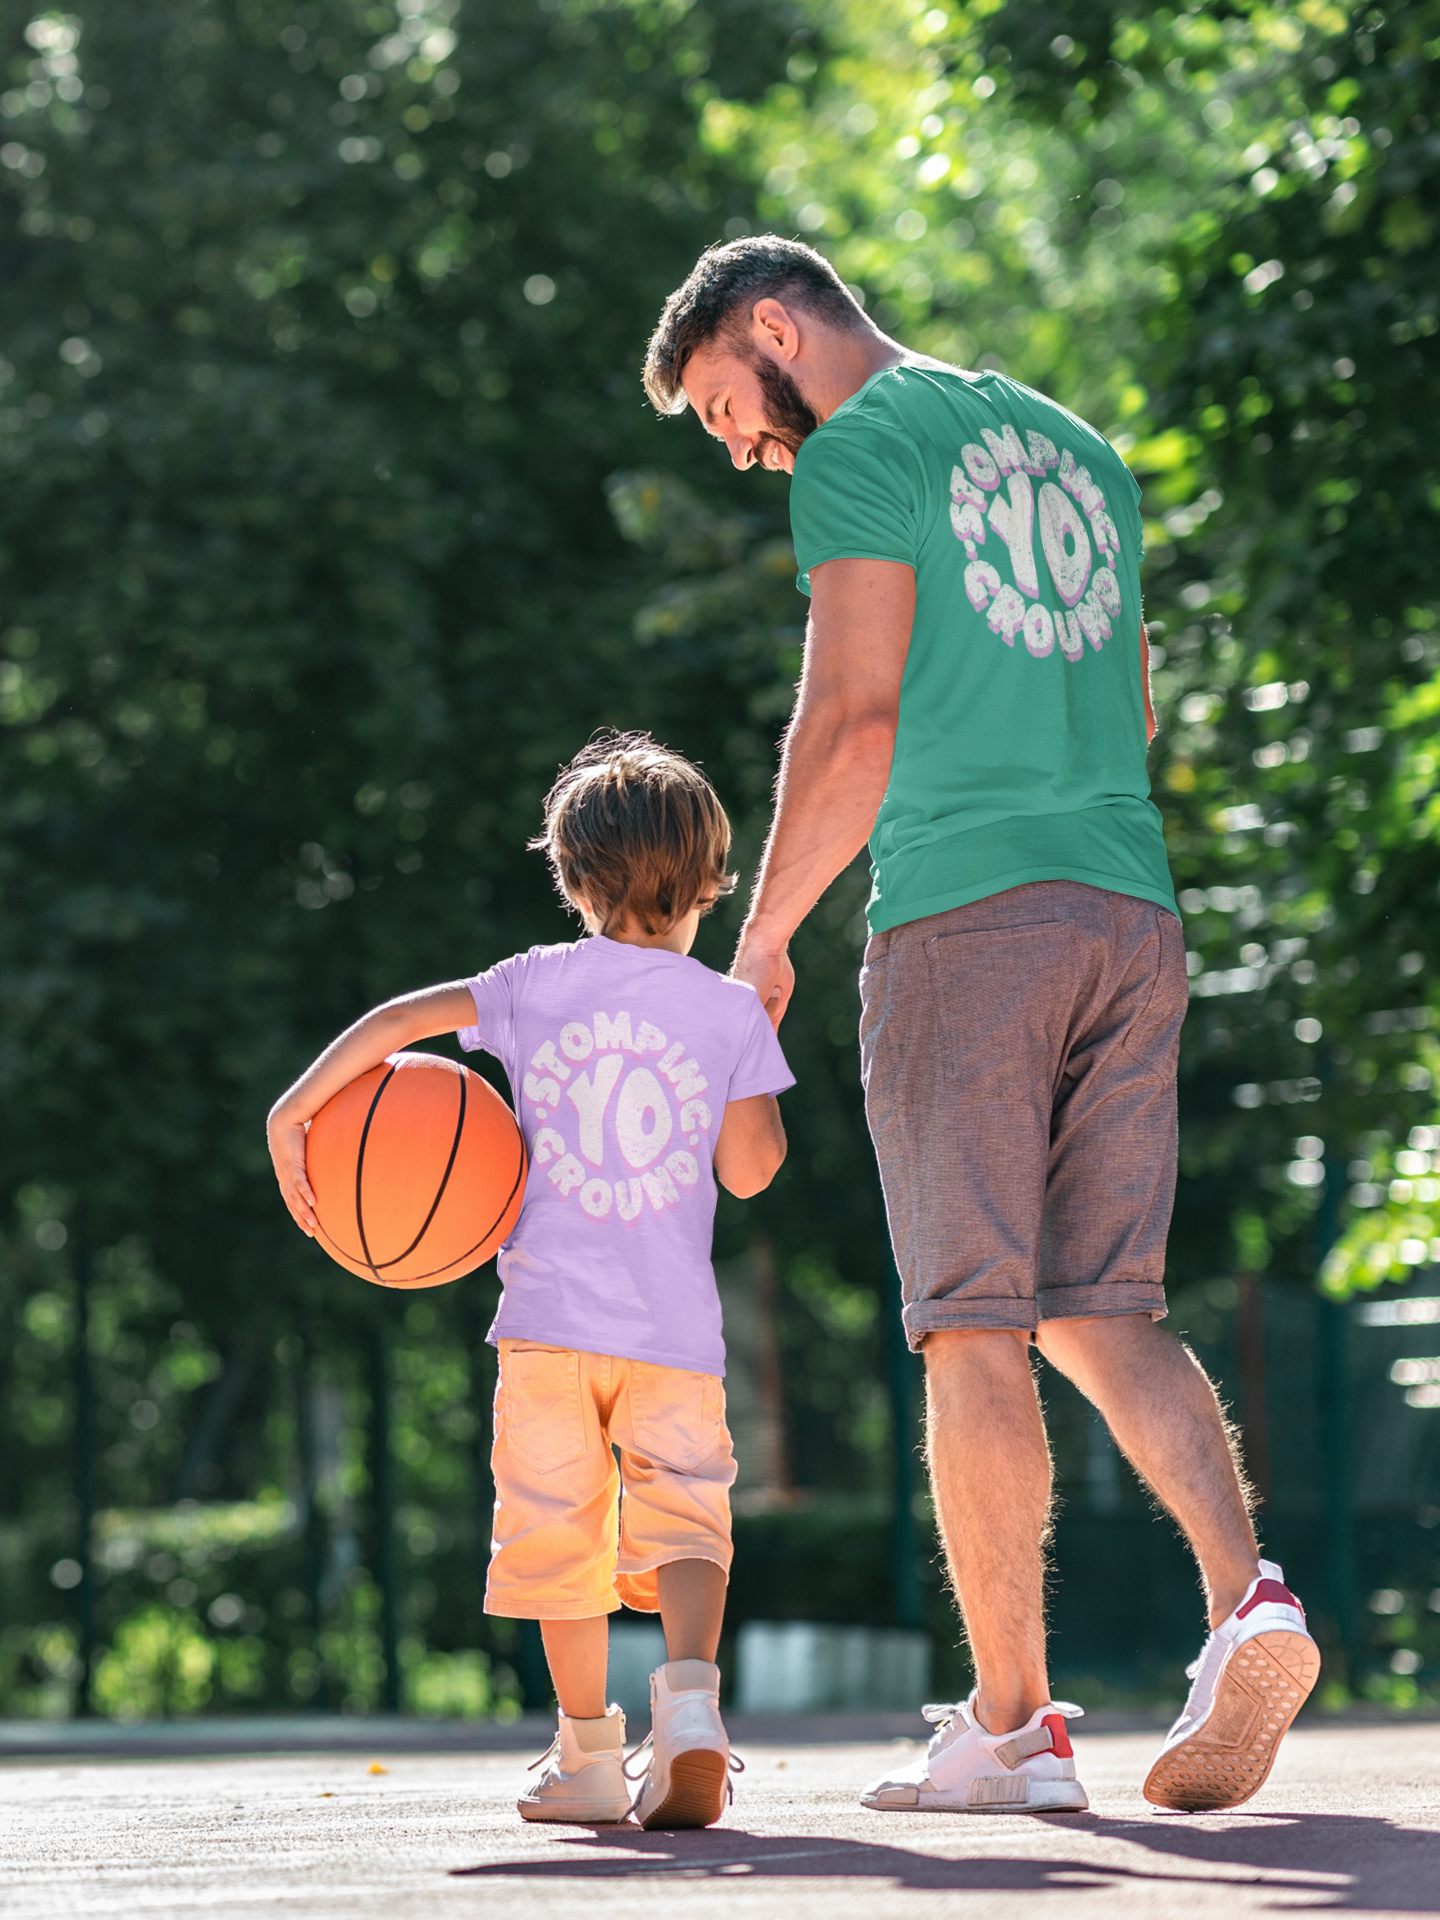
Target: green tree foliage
x=301, y=607
x=1207, y=231
x=321, y=332
x=1303, y=373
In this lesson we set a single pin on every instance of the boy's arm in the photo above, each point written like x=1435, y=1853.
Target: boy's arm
x=750, y=1147
x=383, y=1031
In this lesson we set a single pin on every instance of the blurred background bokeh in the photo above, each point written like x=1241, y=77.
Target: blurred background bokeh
x=332, y=519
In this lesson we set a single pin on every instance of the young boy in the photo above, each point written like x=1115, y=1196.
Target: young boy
x=636, y=1071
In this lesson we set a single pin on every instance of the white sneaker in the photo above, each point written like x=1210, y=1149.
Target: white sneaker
x=967, y=1770
x=1252, y=1678
x=585, y=1780
x=688, y=1783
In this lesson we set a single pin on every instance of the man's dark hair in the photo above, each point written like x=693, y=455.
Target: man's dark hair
x=763, y=267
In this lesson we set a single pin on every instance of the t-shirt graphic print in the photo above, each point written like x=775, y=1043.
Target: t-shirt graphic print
x=1003, y=484
x=1020, y=753
x=618, y=1104
x=621, y=1060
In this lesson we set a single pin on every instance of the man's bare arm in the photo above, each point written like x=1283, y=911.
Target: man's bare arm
x=836, y=762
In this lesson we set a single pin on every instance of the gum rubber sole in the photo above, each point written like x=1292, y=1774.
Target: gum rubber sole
x=697, y=1791
x=1229, y=1756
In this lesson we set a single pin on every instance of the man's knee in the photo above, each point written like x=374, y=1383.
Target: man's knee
x=956, y=1357
x=1109, y=1333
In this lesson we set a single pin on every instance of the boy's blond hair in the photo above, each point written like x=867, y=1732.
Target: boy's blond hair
x=638, y=831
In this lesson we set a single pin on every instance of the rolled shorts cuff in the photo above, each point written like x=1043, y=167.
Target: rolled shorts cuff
x=524, y=1606
x=638, y=1584
x=1001, y=1314
x=1110, y=1297
x=711, y=1550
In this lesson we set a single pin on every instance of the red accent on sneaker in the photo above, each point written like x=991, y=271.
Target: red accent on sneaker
x=1272, y=1591
x=1059, y=1739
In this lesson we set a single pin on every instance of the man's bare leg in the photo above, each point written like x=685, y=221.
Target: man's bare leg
x=990, y=1474
x=1161, y=1408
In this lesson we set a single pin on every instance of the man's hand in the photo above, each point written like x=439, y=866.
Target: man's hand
x=769, y=972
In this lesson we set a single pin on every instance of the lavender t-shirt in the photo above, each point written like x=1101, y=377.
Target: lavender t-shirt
x=621, y=1060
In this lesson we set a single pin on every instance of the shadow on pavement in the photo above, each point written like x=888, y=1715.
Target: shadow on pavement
x=1364, y=1861
x=1361, y=1863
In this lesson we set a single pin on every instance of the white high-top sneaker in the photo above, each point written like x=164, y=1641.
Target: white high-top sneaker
x=688, y=1783
x=585, y=1780
x=967, y=1770
x=1254, y=1674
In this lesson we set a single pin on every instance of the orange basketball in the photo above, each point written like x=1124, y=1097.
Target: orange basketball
x=418, y=1169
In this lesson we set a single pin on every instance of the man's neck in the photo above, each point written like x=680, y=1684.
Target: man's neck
x=850, y=360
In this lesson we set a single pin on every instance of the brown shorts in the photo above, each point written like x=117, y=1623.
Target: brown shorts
x=1019, y=1059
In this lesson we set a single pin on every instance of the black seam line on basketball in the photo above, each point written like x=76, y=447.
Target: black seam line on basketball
x=345, y=1254
x=444, y=1180
x=341, y=1253
x=360, y=1173
x=524, y=1169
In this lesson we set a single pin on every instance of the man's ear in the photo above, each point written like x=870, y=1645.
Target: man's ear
x=775, y=329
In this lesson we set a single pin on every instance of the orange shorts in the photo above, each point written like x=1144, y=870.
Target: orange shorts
x=557, y=1552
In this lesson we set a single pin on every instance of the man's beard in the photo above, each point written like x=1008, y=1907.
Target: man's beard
x=788, y=417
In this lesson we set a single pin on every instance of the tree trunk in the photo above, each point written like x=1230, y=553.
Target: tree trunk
x=779, y=1472
x=1250, y=1346
x=84, y=1478
x=382, y=1494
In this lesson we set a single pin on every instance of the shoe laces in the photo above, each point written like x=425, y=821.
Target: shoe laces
x=635, y=1753
x=941, y=1713
x=1207, y=1646
x=550, y=1751
x=732, y=1760
x=950, y=1718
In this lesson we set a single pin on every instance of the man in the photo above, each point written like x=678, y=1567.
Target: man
x=975, y=704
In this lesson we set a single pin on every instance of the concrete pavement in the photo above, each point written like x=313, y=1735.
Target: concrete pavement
x=255, y=1733
x=1349, y=1822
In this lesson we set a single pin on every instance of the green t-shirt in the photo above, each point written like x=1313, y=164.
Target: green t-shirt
x=1020, y=753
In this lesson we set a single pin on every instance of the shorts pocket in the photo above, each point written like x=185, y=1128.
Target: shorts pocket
x=542, y=1421
x=677, y=1417
x=1154, y=1035
x=1002, y=1005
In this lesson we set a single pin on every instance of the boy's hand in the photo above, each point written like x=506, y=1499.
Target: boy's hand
x=287, y=1150
x=383, y=1031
